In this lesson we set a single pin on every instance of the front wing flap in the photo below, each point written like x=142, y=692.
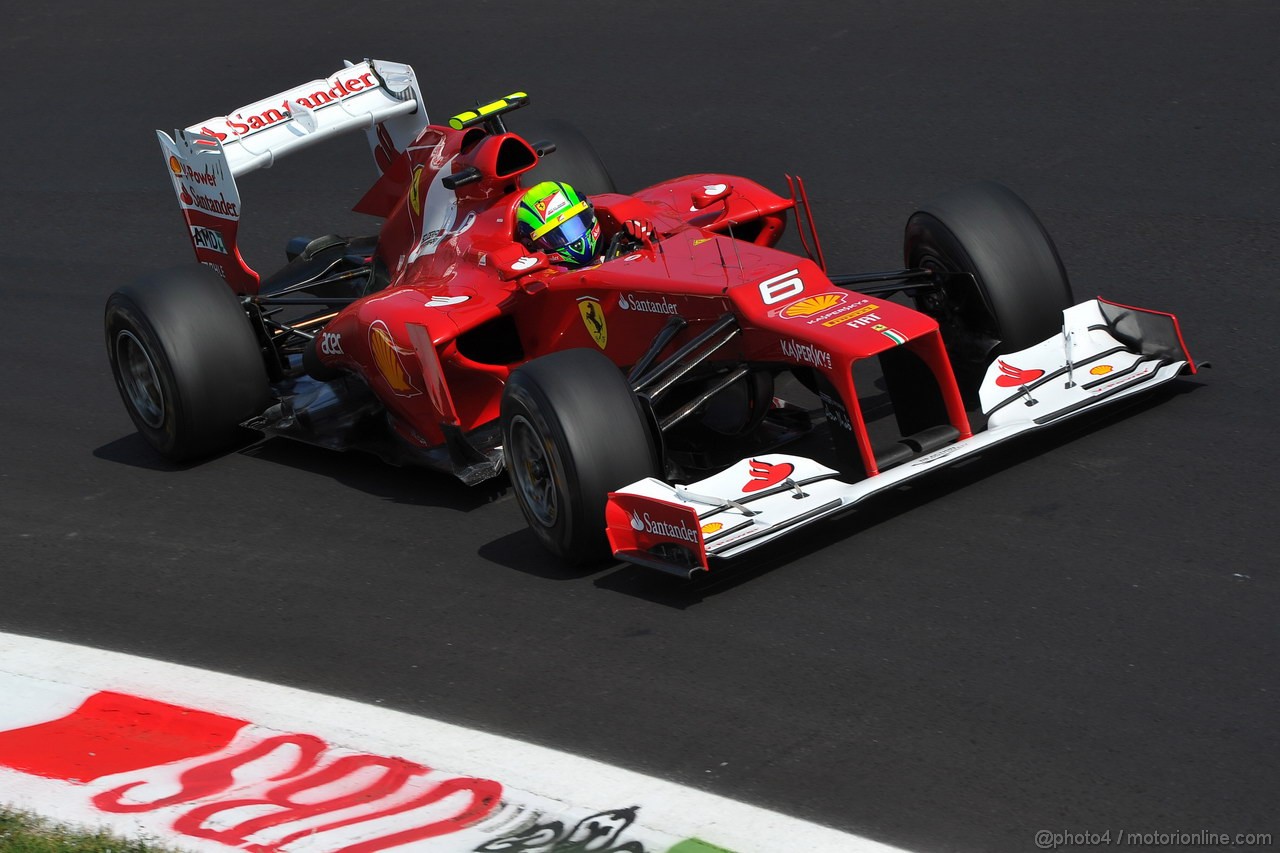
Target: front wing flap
x=1106, y=352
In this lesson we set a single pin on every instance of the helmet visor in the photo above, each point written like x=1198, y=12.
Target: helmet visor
x=570, y=230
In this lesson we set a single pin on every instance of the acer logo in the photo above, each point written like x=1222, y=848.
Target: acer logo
x=1012, y=377
x=331, y=343
x=767, y=474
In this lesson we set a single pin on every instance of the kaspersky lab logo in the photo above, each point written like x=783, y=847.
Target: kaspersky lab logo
x=663, y=528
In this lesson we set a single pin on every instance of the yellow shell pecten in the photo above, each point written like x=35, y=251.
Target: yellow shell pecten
x=813, y=304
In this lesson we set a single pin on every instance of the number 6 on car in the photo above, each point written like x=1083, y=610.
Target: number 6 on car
x=781, y=287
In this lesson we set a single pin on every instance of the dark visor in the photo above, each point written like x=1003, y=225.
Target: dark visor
x=569, y=231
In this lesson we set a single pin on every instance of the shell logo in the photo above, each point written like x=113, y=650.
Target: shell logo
x=711, y=527
x=174, y=165
x=811, y=305
x=1101, y=370
x=415, y=191
x=389, y=360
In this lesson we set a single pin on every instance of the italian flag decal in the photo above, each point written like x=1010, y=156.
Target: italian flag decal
x=892, y=334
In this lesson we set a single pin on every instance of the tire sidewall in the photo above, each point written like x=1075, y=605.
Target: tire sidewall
x=528, y=400
x=207, y=359
x=595, y=437
x=123, y=315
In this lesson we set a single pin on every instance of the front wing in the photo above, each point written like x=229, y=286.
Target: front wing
x=1106, y=352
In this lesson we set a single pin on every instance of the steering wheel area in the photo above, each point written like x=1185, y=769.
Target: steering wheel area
x=621, y=244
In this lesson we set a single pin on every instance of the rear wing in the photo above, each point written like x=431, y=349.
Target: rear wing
x=204, y=160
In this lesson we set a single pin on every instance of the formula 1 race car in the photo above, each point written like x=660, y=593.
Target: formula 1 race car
x=652, y=404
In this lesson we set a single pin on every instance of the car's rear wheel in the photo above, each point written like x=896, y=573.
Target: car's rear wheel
x=989, y=232
x=572, y=432
x=574, y=162
x=186, y=361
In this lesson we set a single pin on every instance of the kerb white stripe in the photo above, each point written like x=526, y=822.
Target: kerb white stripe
x=67, y=672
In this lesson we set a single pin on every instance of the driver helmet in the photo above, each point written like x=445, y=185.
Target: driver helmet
x=555, y=218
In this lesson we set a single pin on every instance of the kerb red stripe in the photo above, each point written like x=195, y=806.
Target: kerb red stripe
x=112, y=733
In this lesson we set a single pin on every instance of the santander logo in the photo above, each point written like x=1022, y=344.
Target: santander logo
x=1012, y=377
x=765, y=474
x=238, y=124
x=649, y=524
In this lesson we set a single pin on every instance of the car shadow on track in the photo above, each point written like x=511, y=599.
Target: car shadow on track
x=681, y=594
x=521, y=551
x=356, y=469
x=133, y=450
x=369, y=474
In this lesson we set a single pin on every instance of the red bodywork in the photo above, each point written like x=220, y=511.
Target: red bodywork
x=459, y=279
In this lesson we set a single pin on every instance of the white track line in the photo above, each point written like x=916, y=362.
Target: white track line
x=42, y=679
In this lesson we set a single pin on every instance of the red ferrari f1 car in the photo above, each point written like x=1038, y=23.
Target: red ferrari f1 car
x=636, y=403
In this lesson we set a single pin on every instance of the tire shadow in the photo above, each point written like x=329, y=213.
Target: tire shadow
x=133, y=450
x=521, y=551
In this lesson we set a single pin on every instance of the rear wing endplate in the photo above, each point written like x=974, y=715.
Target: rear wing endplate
x=204, y=160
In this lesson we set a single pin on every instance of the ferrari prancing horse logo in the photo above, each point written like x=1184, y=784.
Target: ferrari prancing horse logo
x=593, y=319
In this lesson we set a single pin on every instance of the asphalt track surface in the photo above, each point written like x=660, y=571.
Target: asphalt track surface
x=1075, y=634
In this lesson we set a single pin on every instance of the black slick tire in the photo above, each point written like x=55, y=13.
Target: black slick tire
x=988, y=231
x=186, y=361
x=574, y=162
x=572, y=432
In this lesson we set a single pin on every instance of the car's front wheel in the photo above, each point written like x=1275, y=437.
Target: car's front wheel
x=1017, y=286
x=572, y=432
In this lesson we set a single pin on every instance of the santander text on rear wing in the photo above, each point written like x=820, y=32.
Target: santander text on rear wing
x=382, y=98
